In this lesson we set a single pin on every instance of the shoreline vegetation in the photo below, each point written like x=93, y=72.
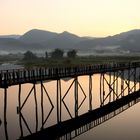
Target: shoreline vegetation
x=57, y=59
x=85, y=60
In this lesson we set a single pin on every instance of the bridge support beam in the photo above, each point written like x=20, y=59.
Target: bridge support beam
x=5, y=113
x=109, y=88
x=59, y=102
x=135, y=73
x=76, y=96
x=122, y=83
x=36, y=107
x=76, y=99
x=19, y=111
x=90, y=93
x=113, y=85
x=101, y=90
x=128, y=83
x=42, y=108
x=117, y=92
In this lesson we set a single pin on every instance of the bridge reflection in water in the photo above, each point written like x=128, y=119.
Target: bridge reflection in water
x=112, y=101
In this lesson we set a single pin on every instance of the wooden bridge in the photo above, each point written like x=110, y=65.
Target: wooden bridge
x=111, y=102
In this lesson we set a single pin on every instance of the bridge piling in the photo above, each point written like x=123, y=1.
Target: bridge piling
x=42, y=107
x=90, y=93
x=5, y=113
x=109, y=87
x=36, y=107
x=122, y=83
x=114, y=79
x=19, y=111
x=76, y=96
x=59, y=102
x=135, y=73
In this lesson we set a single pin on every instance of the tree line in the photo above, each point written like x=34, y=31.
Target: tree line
x=56, y=54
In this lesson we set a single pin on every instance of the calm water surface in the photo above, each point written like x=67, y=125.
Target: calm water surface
x=124, y=126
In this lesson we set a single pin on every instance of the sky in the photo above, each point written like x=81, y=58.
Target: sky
x=95, y=18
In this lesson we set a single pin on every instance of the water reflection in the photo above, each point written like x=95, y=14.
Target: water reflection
x=75, y=133
x=101, y=120
x=36, y=105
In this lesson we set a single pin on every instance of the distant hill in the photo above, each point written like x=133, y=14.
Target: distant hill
x=10, y=44
x=43, y=40
x=50, y=39
x=10, y=36
x=37, y=36
x=131, y=43
x=124, y=35
x=15, y=45
x=127, y=41
x=110, y=40
x=63, y=40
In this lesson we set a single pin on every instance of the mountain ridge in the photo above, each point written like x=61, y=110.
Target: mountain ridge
x=36, y=39
x=15, y=36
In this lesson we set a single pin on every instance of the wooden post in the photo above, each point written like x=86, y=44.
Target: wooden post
x=5, y=113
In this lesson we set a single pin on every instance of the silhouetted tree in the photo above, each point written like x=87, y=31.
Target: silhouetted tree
x=57, y=53
x=46, y=55
x=29, y=56
x=72, y=53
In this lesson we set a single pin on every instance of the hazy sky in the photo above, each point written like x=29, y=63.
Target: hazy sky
x=81, y=17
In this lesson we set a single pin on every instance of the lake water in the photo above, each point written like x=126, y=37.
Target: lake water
x=124, y=126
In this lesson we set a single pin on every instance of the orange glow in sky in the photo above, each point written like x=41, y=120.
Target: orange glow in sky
x=81, y=17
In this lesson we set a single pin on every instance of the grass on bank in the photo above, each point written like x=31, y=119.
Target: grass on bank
x=49, y=62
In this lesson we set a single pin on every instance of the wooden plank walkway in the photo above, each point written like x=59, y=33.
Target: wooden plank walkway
x=21, y=76
x=68, y=126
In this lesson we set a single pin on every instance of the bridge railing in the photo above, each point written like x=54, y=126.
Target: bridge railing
x=13, y=77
